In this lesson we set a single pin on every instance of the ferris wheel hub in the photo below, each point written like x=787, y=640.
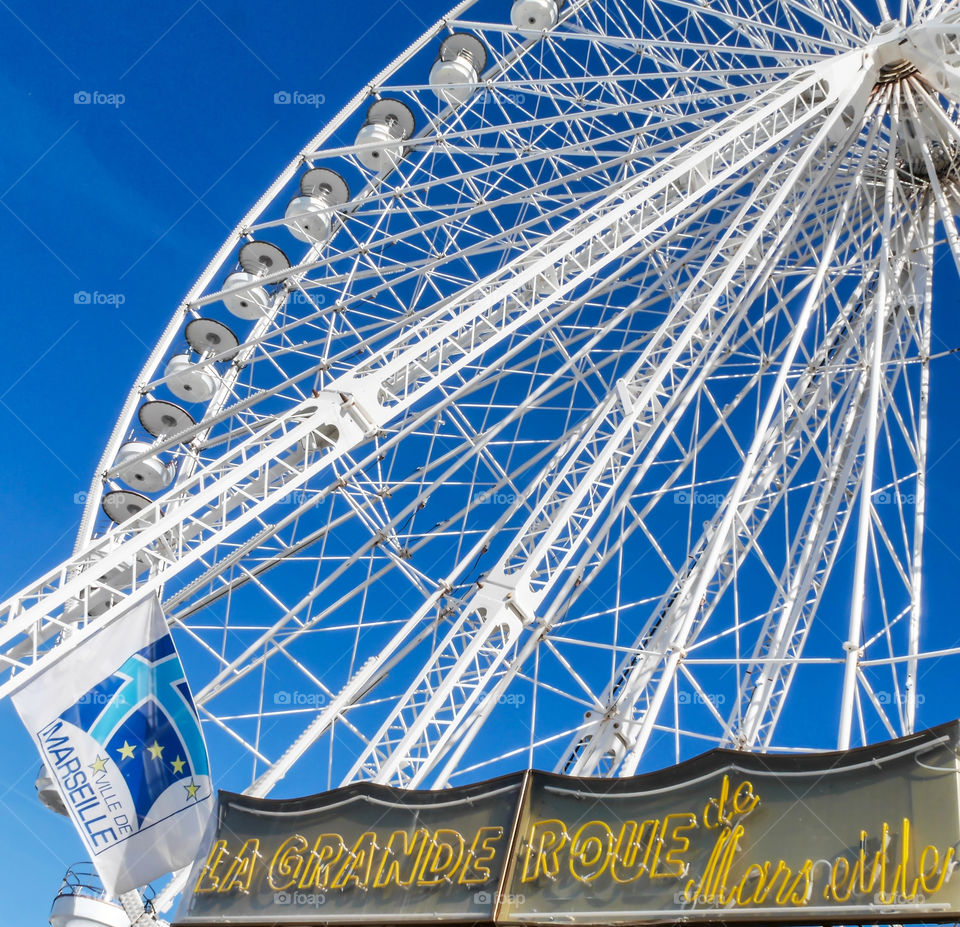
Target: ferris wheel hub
x=928, y=48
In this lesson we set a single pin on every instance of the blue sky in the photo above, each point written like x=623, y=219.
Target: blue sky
x=127, y=200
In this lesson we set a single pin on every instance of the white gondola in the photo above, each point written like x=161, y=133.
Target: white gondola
x=83, y=902
x=210, y=338
x=191, y=381
x=257, y=259
x=82, y=911
x=380, y=140
x=163, y=419
x=309, y=216
x=249, y=303
x=122, y=504
x=144, y=473
x=457, y=70
x=535, y=14
x=48, y=793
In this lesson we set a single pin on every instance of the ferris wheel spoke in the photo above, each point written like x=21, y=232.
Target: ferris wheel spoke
x=757, y=27
x=787, y=657
x=780, y=645
x=684, y=608
x=266, y=394
x=233, y=669
x=921, y=424
x=767, y=687
x=487, y=636
x=582, y=352
x=594, y=335
x=547, y=391
x=885, y=292
x=714, y=48
x=581, y=576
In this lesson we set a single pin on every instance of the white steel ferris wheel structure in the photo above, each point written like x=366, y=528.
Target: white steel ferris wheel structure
x=574, y=416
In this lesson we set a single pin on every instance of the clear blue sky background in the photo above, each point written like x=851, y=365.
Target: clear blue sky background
x=133, y=200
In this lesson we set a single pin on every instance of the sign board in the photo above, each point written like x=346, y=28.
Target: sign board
x=865, y=835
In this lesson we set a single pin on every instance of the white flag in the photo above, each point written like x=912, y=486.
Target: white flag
x=116, y=725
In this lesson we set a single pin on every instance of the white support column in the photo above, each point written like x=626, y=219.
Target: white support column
x=665, y=645
x=871, y=413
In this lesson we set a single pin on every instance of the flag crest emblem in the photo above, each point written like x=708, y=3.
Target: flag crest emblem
x=144, y=718
x=118, y=729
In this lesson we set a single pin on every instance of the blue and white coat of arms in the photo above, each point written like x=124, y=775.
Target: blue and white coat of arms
x=117, y=727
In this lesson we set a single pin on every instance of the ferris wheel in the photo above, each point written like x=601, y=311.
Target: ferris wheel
x=564, y=403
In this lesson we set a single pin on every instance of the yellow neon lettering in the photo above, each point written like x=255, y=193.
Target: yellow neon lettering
x=287, y=863
x=805, y=875
x=723, y=870
x=547, y=838
x=443, y=857
x=590, y=852
x=326, y=852
x=483, y=850
x=832, y=890
x=628, y=848
x=673, y=868
x=744, y=798
x=717, y=804
x=208, y=881
x=241, y=869
x=753, y=868
x=388, y=872
x=716, y=854
x=356, y=867
x=944, y=872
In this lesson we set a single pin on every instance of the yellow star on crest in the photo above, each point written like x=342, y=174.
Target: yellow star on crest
x=192, y=790
x=178, y=765
x=126, y=751
x=99, y=764
x=155, y=750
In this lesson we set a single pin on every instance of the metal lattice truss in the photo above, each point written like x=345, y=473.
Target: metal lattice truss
x=591, y=433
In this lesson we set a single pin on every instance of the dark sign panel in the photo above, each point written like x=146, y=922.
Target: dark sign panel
x=863, y=835
x=357, y=854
